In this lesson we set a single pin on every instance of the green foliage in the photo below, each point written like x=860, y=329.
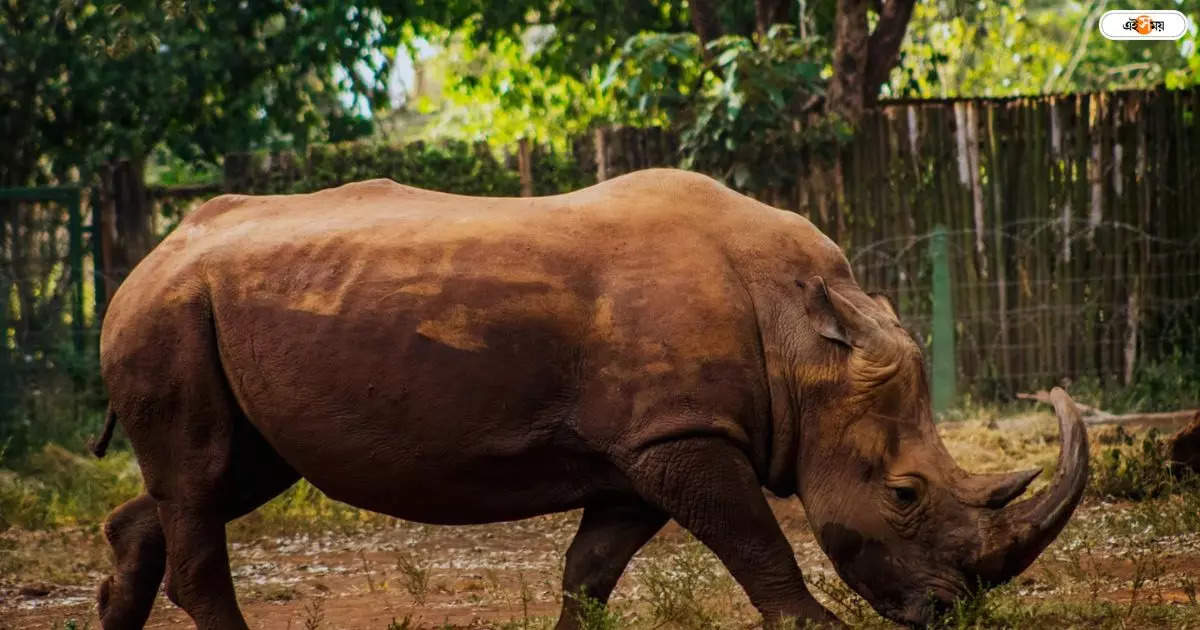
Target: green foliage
x=1032, y=47
x=1135, y=469
x=497, y=93
x=1007, y=608
x=404, y=624
x=83, y=83
x=57, y=487
x=450, y=166
x=1172, y=383
x=556, y=172
x=416, y=577
x=753, y=126
x=302, y=509
x=595, y=615
x=748, y=118
x=72, y=624
x=655, y=77
x=47, y=394
x=679, y=590
x=544, y=70
x=580, y=31
x=168, y=170
x=1186, y=75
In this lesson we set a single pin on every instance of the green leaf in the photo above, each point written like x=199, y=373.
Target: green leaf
x=728, y=56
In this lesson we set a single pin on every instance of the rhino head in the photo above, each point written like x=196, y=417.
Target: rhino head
x=904, y=525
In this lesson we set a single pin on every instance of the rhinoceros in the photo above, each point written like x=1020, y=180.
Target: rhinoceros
x=654, y=347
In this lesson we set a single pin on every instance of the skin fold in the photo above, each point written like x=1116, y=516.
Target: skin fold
x=654, y=347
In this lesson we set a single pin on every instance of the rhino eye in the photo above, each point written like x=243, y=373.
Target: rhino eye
x=905, y=495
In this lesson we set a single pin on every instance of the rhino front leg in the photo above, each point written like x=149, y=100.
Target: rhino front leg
x=709, y=487
x=608, y=537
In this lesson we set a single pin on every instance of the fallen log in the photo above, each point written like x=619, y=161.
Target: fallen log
x=1183, y=447
x=1095, y=416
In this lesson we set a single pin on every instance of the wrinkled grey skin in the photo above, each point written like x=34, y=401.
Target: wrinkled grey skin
x=654, y=347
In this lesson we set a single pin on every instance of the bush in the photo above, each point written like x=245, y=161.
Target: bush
x=49, y=392
x=1172, y=383
x=305, y=509
x=1135, y=470
x=450, y=166
x=60, y=488
x=56, y=487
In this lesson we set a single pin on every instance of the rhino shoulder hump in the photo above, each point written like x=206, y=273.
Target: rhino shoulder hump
x=214, y=208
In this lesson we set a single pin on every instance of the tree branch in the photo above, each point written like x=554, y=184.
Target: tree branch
x=883, y=49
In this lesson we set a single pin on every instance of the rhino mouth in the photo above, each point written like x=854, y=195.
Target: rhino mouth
x=938, y=597
x=922, y=614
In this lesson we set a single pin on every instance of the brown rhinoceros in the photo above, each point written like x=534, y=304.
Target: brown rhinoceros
x=654, y=347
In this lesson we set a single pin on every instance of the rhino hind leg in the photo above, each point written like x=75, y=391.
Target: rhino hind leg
x=198, y=574
x=608, y=537
x=126, y=597
x=203, y=461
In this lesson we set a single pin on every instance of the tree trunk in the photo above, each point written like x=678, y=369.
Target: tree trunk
x=862, y=62
x=849, y=60
x=706, y=24
x=127, y=223
x=883, y=49
x=768, y=13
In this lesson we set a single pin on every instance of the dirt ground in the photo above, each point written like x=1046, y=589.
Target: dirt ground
x=490, y=576
x=506, y=575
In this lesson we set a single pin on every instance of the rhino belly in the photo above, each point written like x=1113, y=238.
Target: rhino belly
x=445, y=412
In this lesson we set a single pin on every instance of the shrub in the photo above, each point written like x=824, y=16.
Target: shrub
x=1135, y=469
x=58, y=488
x=595, y=615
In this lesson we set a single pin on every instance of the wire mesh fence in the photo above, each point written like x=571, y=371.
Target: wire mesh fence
x=1065, y=302
x=47, y=323
x=1072, y=230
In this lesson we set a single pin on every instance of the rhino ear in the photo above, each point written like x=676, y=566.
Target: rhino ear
x=833, y=316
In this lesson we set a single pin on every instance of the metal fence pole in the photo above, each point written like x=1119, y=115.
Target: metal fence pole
x=76, y=257
x=100, y=288
x=942, y=325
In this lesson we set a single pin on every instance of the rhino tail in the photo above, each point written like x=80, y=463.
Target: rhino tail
x=99, y=446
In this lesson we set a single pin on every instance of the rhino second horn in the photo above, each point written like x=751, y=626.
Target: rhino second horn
x=1020, y=532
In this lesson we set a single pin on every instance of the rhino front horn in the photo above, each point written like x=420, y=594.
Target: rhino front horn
x=1019, y=532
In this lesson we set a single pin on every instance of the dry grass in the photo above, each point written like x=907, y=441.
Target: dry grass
x=994, y=445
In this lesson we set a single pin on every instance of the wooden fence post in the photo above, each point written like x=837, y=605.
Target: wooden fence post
x=942, y=325
x=525, y=166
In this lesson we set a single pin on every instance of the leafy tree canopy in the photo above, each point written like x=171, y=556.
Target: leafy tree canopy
x=86, y=82
x=735, y=78
x=1034, y=47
